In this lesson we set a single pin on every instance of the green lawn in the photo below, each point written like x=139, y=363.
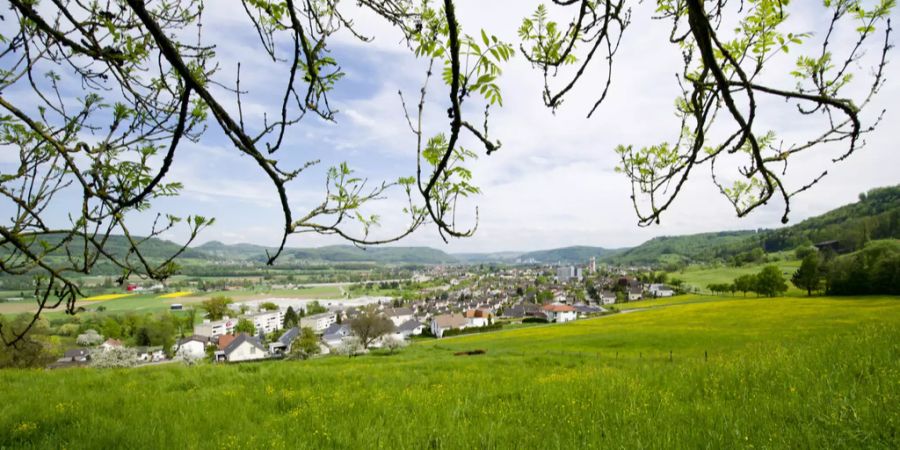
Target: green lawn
x=761, y=373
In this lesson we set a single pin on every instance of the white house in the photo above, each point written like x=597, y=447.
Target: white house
x=335, y=334
x=216, y=328
x=409, y=328
x=478, y=317
x=193, y=347
x=635, y=293
x=243, y=348
x=268, y=321
x=560, y=313
x=445, y=322
x=607, y=297
x=318, y=322
x=661, y=290
x=399, y=315
x=150, y=354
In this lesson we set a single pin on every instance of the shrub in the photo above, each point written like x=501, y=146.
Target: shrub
x=534, y=320
x=116, y=357
x=350, y=346
x=90, y=337
x=394, y=343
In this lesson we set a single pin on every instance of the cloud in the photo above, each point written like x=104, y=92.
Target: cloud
x=551, y=184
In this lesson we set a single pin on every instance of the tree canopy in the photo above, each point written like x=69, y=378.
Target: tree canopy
x=149, y=81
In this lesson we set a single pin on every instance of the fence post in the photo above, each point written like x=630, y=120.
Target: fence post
x=705, y=356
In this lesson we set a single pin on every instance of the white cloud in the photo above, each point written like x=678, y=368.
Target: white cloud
x=551, y=184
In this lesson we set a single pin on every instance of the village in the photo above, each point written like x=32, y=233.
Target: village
x=461, y=300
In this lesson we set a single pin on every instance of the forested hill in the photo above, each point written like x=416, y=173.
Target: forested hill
x=875, y=216
x=677, y=250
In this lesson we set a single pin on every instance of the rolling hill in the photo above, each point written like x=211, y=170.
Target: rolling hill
x=875, y=216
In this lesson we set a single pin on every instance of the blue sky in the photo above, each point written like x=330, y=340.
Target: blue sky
x=552, y=184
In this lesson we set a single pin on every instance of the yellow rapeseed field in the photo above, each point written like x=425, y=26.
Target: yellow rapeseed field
x=176, y=294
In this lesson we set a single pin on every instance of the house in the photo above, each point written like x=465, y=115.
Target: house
x=318, y=322
x=586, y=310
x=445, y=322
x=409, y=328
x=560, y=313
x=661, y=290
x=78, y=355
x=283, y=345
x=635, y=293
x=399, y=315
x=268, y=321
x=216, y=328
x=150, y=354
x=607, y=297
x=514, y=312
x=224, y=341
x=192, y=347
x=335, y=334
x=478, y=317
x=242, y=348
x=110, y=344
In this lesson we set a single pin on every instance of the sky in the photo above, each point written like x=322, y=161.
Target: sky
x=552, y=183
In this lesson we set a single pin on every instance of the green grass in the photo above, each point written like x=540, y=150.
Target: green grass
x=780, y=373
x=700, y=277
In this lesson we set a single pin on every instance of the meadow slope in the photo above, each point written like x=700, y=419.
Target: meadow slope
x=763, y=373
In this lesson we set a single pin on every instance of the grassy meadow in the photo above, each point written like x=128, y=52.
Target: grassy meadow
x=761, y=373
x=701, y=276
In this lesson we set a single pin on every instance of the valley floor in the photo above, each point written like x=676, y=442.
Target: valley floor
x=705, y=372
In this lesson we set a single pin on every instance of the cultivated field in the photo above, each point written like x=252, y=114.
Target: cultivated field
x=755, y=373
x=160, y=302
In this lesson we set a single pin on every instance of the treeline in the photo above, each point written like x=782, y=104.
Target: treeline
x=769, y=282
x=873, y=270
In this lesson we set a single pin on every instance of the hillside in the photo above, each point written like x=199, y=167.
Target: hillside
x=689, y=248
x=576, y=254
x=384, y=255
x=875, y=216
x=717, y=374
x=117, y=245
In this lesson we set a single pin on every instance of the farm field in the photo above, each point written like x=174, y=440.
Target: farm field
x=157, y=302
x=772, y=373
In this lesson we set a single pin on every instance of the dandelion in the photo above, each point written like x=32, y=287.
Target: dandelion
x=24, y=428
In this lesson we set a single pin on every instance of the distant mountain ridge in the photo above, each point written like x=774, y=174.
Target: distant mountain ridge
x=875, y=216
